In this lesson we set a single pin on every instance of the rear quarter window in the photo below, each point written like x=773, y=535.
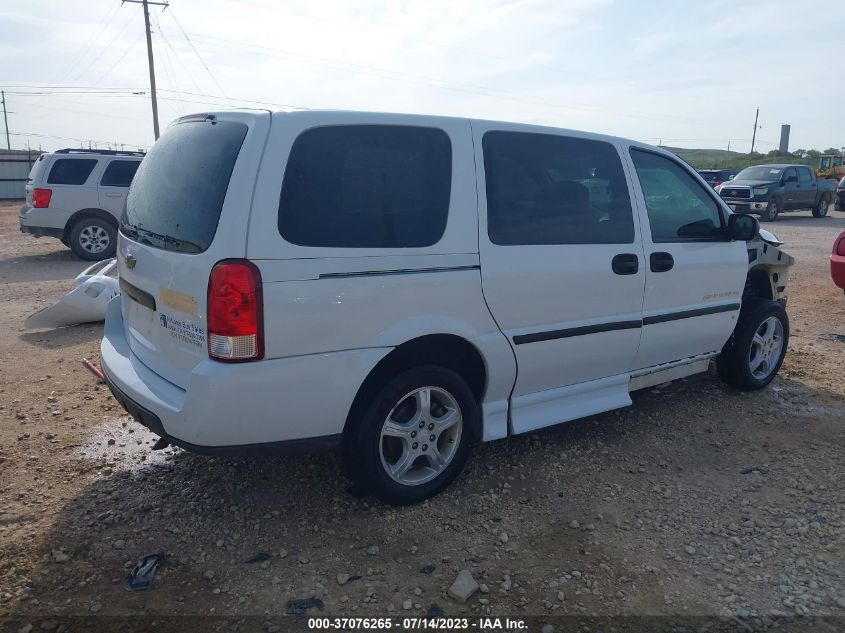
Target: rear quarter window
x=71, y=171
x=367, y=186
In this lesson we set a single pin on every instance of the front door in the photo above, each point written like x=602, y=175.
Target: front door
x=694, y=279
x=562, y=269
x=114, y=184
x=792, y=195
x=806, y=187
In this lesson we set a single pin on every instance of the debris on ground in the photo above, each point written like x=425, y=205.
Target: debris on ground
x=301, y=605
x=142, y=575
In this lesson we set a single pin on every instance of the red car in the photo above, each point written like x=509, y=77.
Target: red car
x=837, y=261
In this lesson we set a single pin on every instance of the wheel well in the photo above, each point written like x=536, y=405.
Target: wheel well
x=446, y=350
x=757, y=284
x=89, y=213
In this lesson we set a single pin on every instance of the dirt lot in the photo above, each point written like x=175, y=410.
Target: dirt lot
x=698, y=500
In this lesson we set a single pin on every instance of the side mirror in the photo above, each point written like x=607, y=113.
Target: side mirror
x=742, y=227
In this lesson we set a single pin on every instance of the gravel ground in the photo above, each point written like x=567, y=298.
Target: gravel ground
x=698, y=500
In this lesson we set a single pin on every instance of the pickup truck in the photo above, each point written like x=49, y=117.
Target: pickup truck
x=770, y=189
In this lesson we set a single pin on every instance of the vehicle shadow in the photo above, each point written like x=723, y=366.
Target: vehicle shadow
x=55, y=265
x=209, y=516
x=805, y=218
x=63, y=336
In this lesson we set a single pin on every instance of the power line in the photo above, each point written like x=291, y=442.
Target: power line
x=194, y=48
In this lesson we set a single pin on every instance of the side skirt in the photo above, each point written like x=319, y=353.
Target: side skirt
x=650, y=376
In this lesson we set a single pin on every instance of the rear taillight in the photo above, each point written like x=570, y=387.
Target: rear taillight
x=839, y=247
x=235, y=312
x=41, y=198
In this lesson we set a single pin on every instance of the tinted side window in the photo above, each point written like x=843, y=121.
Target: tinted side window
x=367, y=186
x=789, y=173
x=548, y=189
x=679, y=208
x=71, y=171
x=804, y=176
x=119, y=173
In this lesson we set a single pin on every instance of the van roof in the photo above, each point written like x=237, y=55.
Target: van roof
x=513, y=125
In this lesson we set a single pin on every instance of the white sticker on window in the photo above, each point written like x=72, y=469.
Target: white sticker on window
x=774, y=171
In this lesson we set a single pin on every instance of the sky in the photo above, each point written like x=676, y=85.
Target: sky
x=680, y=73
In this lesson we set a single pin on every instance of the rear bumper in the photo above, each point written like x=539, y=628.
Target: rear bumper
x=289, y=404
x=39, y=222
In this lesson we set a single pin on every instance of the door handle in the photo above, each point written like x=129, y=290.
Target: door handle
x=625, y=264
x=113, y=194
x=661, y=262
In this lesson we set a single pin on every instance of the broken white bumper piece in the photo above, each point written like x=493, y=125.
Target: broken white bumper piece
x=92, y=289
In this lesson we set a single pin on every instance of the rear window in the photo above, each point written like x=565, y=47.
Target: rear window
x=367, y=186
x=119, y=173
x=71, y=171
x=177, y=195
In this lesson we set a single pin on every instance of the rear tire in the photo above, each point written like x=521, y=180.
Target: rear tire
x=753, y=355
x=93, y=239
x=390, y=455
x=771, y=212
x=821, y=208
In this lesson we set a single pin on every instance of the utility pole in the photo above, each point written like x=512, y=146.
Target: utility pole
x=146, y=4
x=753, y=136
x=5, y=120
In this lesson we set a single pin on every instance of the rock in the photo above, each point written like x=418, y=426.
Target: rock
x=60, y=557
x=574, y=524
x=463, y=587
x=283, y=553
x=548, y=628
x=208, y=575
x=434, y=611
x=427, y=569
x=484, y=588
x=373, y=550
x=342, y=579
x=407, y=604
x=26, y=628
x=561, y=596
x=840, y=602
x=96, y=607
x=689, y=549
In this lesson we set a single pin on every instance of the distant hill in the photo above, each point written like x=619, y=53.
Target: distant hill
x=723, y=159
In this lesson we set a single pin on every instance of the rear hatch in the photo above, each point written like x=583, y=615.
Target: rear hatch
x=187, y=209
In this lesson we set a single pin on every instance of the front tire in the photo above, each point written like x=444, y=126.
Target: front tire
x=771, y=212
x=821, y=208
x=753, y=355
x=93, y=239
x=415, y=436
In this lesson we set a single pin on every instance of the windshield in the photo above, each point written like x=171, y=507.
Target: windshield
x=760, y=173
x=177, y=194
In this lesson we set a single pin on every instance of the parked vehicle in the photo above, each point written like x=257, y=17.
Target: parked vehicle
x=77, y=196
x=405, y=286
x=840, y=195
x=837, y=261
x=772, y=189
x=716, y=177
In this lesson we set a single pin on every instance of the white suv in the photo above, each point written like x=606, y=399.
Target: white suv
x=77, y=196
x=405, y=286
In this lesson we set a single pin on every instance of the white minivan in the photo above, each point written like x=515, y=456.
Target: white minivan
x=404, y=286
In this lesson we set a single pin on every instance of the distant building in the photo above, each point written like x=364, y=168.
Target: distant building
x=14, y=170
x=784, y=140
